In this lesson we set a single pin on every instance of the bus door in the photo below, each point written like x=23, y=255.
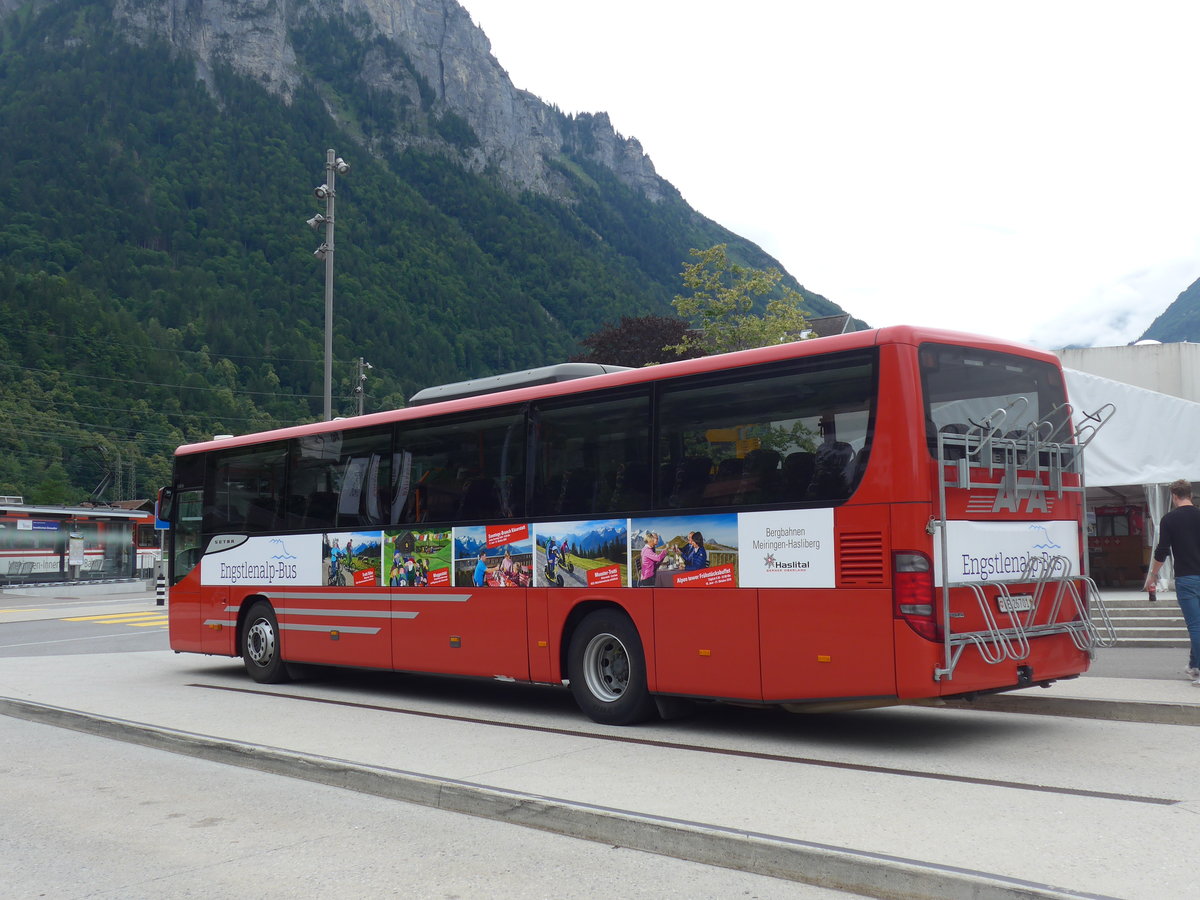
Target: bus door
x=183, y=570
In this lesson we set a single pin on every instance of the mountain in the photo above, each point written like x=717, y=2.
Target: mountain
x=157, y=280
x=1180, y=321
x=595, y=542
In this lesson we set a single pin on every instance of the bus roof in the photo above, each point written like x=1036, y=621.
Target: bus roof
x=509, y=381
x=505, y=391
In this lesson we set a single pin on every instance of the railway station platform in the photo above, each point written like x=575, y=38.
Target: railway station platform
x=103, y=587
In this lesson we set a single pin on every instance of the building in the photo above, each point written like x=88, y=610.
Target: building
x=1139, y=408
x=1172, y=369
x=56, y=544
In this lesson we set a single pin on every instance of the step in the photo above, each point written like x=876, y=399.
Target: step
x=1160, y=643
x=1142, y=618
x=1138, y=634
x=1140, y=604
x=1156, y=633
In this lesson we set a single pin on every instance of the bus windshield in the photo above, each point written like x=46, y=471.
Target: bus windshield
x=967, y=389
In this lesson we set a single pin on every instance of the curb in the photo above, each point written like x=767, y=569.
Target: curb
x=1086, y=708
x=823, y=865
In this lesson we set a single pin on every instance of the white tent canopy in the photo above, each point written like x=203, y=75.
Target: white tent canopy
x=1152, y=438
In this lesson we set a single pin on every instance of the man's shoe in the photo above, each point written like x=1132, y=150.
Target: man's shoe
x=1191, y=673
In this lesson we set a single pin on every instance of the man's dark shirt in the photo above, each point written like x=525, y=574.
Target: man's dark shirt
x=1179, y=536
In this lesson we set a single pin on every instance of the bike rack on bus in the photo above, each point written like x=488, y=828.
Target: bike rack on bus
x=1039, y=449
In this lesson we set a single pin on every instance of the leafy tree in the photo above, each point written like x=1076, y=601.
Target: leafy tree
x=723, y=300
x=53, y=488
x=637, y=341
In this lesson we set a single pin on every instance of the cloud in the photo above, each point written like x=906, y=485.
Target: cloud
x=1026, y=172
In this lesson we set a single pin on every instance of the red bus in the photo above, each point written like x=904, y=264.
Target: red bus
x=884, y=517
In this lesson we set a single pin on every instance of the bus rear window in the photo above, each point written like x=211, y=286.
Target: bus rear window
x=1011, y=396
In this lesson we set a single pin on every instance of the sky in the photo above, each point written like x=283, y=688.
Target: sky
x=1027, y=170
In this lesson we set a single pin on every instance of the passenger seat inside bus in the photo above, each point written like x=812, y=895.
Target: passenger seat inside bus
x=727, y=484
x=575, y=493
x=760, y=476
x=829, y=471
x=797, y=473
x=261, y=517
x=631, y=487
x=480, y=499
x=691, y=477
x=322, y=509
x=729, y=468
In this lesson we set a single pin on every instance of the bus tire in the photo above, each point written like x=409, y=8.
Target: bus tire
x=607, y=669
x=260, y=645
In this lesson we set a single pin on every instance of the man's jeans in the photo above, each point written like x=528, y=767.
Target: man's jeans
x=1187, y=589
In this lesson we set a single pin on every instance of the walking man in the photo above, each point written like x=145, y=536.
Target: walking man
x=1179, y=538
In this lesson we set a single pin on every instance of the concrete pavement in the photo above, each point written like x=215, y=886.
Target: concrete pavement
x=532, y=760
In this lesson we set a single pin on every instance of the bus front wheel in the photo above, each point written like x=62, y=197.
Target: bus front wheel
x=607, y=669
x=260, y=645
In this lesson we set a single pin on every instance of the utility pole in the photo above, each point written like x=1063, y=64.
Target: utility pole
x=334, y=165
x=360, y=383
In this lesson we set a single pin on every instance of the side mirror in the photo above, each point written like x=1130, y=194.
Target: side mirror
x=164, y=504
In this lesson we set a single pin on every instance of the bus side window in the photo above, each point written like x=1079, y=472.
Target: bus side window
x=247, y=490
x=460, y=468
x=592, y=454
x=797, y=431
x=339, y=480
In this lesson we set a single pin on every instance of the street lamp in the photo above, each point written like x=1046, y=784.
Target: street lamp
x=334, y=166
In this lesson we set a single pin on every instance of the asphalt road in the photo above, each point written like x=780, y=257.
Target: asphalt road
x=120, y=820
x=90, y=817
x=61, y=626
x=86, y=816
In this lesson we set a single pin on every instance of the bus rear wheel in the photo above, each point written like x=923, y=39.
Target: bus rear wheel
x=260, y=645
x=607, y=669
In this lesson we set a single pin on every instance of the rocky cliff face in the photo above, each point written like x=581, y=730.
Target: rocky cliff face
x=426, y=57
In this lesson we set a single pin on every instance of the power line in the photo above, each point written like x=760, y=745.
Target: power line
x=273, y=422
x=89, y=342
x=64, y=437
x=181, y=387
x=168, y=414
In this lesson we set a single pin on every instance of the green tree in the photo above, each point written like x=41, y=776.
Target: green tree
x=723, y=302
x=53, y=488
x=637, y=341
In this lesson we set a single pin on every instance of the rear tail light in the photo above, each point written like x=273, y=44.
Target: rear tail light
x=913, y=593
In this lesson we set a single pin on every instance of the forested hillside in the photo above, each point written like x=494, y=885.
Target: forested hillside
x=1180, y=321
x=157, y=278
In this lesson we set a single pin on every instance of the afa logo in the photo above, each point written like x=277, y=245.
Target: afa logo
x=1025, y=495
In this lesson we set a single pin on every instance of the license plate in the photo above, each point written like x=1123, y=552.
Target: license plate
x=1015, y=603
